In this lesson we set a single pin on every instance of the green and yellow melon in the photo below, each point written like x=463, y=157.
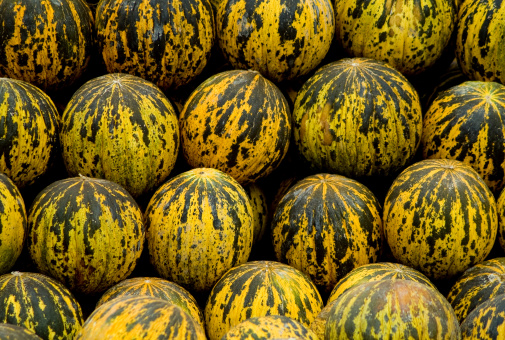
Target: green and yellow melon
x=29, y=124
x=465, y=123
x=260, y=288
x=269, y=327
x=12, y=223
x=326, y=225
x=477, y=285
x=158, y=288
x=46, y=43
x=409, y=35
x=121, y=128
x=40, y=304
x=140, y=317
x=258, y=201
x=238, y=122
x=14, y=332
x=440, y=218
x=392, y=309
x=199, y=225
x=167, y=42
x=88, y=233
x=486, y=321
x=357, y=117
x=480, y=45
x=281, y=39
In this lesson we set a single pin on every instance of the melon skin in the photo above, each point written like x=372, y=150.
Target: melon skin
x=45, y=43
x=14, y=332
x=486, y=321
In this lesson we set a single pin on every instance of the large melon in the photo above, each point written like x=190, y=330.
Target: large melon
x=167, y=42
x=86, y=232
x=46, y=43
x=199, y=225
x=440, y=218
x=121, y=128
x=29, y=124
x=357, y=117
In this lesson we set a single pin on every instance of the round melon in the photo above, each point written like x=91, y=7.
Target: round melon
x=357, y=117
x=14, y=332
x=326, y=225
x=238, y=122
x=486, y=321
x=167, y=42
x=199, y=225
x=440, y=218
x=409, y=35
x=480, y=45
x=477, y=285
x=46, y=43
x=282, y=39
x=260, y=288
x=29, y=124
x=269, y=327
x=465, y=123
x=88, y=233
x=158, y=288
x=12, y=223
x=140, y=317
x=121, y=128
x=40, y=304
x=392, y=309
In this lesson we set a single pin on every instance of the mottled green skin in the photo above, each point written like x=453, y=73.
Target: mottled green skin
x=410, y=35
x=486, y=321
x=199, y=225
x=357, y=117
x=13, y=332
x=440, y=218
x=40, y=304
x=478, y=284
x=122, y=128
x=236, y=121
x=392, y=309
x=260, y=288
x=29, y=125
x=269, y=327
x=480, y=40
x=167, y=42
x=326, y=225
x=465, y=123
x=46, y=43
x=88, y=233
x=140, y=317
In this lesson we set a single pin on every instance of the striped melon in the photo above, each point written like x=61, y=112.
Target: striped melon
x=465, y=122
x=282, y=39
x=46, y=43
x=357, y=117
x=269, y=327
x=88, y=233
x=392, y=309
x=260, y=288
x=158, y=288
x=326, y=225
x=40, y=304
x=199, y=225
x=258, y=201
x=477, y=285
x=440, y=218
x=480, y=43
x=410, y=35
x=238, y=122
x=486, y=321
x=29, y=125
x=121, y=128
x=13, y=332
x=167, y=42
x=12, y=223
x=140, y=317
